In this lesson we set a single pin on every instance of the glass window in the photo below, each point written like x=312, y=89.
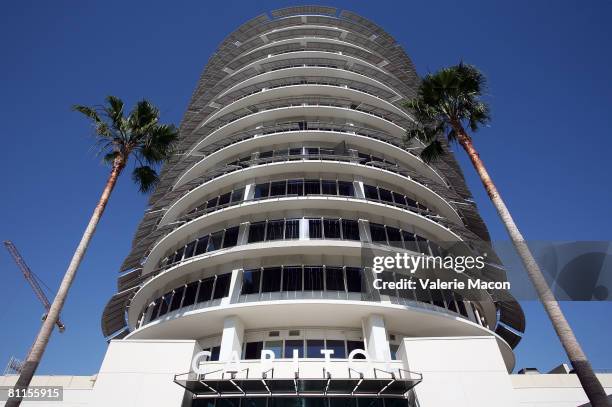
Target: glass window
x=394, y=349
x=395, y=238
x=278, y=188
x=257, y=232
x=315, y=230
x=350, y=229
x=214, y=243
x=262, y=190
x=155, y=309
x=215, y=351
x=275, y=229
x=292, y=229
x=237, y=195
x=290, y=345
x=338, y=348
x=212, y=202
x=371, y=192
x=202, y=245
x=345, y=188
x=399, y=198
x=178, y=255
x=206, y=287
x=378, y=233
x=334, y=279
x=352, y=345
x=329, y=187
x=292, y=278
x=314, y=348
x=331, y=228
x=189, y=249
x=422, y=243
x=190, y=294
x=225, y=198
x=266, y=154
x=312, y=187
x=409, y=241
x=295, y=187
x=231, y=237
x=312, y=150
x=165, y=304
x=222, y=286
x=276, y=347
x=176, y=299
x=295, y=151
x=353, y=280
x=252, y=350
x=313, y=278
x=385, y=195
x=411, y=202
x=250, y=281
x=271, y=281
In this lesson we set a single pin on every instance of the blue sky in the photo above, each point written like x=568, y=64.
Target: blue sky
x=548, y=147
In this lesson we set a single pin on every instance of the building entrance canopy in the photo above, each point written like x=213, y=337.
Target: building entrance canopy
x=355, y=385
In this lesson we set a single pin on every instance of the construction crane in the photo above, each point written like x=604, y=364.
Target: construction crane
x=32, y=279
x=15, y=365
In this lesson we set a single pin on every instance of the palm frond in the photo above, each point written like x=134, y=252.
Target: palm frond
x=432, y=151
x=145, y=177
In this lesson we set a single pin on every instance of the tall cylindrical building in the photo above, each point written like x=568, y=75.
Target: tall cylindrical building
x=291, y=160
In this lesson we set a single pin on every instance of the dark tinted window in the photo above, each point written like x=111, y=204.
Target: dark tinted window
x=176, y=299
x=278, y=188
x=378, y=233
x=385, y=195
x=225, y=198
x=312, y=186
x=237, y=195
x=370, y=192
x=190, y=294
x=395, y=238
x=155, y=309
x=257, y=232
x=295, y=187
x=189, y=249
x=271, y=281
x=314, y=348
x=353, y=279
x=346, y=188
x=338, y=348
x=275, y=229
x=313, y=278
x=409, y=241
x=214, y=242
x=329, y=187
x=206, y=287
x=292, y=229
x=350, y=229
x=202, y=245
x=165, y=303
x=262, y=190
x=253, y=350
x=250, y=281
x=294, y=344
x=399, y=198
x=352, y=345
x=331, y=228
x=292, y=279
x=334, y=279
x=315, y=230
x=212, y=202
x=214, y=353
x=231, y=237
x=222, y=286
x=178, y=254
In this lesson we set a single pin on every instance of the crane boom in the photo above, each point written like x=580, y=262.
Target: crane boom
x=30, y=278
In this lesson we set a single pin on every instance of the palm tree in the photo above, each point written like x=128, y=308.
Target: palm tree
x=448, y=102
x=139, y=135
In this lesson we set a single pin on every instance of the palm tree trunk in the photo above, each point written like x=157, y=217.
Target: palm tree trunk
x=38, y=349
x=591, y=385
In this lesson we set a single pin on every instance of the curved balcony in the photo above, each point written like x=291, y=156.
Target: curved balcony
x=287, y=165
x=242, y=146
x=308, y=71
x=256, y=100
x=201, y=322
x=350, y=205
